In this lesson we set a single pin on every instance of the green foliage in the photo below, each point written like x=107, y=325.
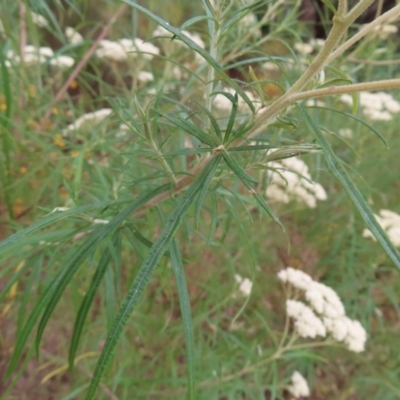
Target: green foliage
x=99, y=209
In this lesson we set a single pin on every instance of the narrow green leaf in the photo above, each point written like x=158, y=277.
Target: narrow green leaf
x=86, y=303
x=5, y=119
x=192, y=129
x=232, y=119
x=184, y=301
x=202, y=194
x=142, y=239
x=213, y=121
x=241, y=174
x=361, y=121
x=143, y=276
x=237, y=169
x=336, y=168
x=72, y=265
x=188, y=152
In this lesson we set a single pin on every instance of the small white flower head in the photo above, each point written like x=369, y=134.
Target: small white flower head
x=100, y=221
x=315, y=103
x=390, y=222
x=304, y=48
x=245, y=285
x=356, y=336
x=73, y=36
x=93, y=118
x=39, y=20
x=346, y=133
x=144, y=76
x=225, y=105
x=62, y=61
x=296, y=278
x=307, y=324
x=299, y=386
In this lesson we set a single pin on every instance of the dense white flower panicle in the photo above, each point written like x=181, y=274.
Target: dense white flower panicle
x=123, y=49
x=329, y=309
x=377, y=106
x=73, y=36
x=307, y=324
x=291, y=176
x=299, y=386
x=39, y=20
x=390, y=222
x=92, y=118
x=62, y=61
x=245, y=284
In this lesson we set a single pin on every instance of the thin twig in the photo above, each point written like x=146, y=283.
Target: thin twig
x=85, y=59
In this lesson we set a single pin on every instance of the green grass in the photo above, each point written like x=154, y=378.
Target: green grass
x=203, y=236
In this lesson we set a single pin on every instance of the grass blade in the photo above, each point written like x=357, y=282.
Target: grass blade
x=143, y=276
x=184, y=301
x=336, y=168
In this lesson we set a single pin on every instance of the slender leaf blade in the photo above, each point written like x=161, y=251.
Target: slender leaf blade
x=184, y=301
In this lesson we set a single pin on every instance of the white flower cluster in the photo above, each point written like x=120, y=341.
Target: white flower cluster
x=390, y=222
x=39, y=55
x=225, y=105
x=324, y=314
x=93, y=118
x=308, y=48
x=245, y=284
x=39, y=20
x=73, y=36
x=379, y=106
x=299, y=386
x=291, y=180
x=123, y=49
